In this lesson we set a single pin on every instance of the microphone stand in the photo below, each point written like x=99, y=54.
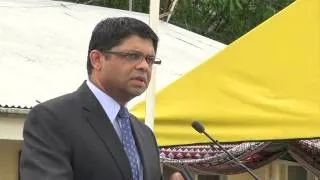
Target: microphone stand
x=198, y=127
x=232, y=157
x=185, y=172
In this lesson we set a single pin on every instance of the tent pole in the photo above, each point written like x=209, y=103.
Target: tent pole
x=130, y=5
x=150, y=94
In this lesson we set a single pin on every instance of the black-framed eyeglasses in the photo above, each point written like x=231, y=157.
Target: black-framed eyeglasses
x=136, y=57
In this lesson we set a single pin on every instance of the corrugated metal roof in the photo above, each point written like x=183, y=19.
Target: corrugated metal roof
x=43, y=49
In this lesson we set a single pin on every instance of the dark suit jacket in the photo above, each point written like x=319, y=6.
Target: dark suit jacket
x=71, y=138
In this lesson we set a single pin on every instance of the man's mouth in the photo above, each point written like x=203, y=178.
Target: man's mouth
x=140, y=79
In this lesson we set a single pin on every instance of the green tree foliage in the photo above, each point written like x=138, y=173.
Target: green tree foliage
x=224, y=20
x=221, y=20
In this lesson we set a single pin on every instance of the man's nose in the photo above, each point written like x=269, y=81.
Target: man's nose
x=143, y=65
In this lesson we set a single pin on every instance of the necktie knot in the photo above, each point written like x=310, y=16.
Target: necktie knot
x=123, y=112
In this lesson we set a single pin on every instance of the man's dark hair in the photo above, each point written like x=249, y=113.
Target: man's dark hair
x=111, y=32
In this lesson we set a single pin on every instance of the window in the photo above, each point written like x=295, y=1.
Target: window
x=210, y=177
x=297, y=173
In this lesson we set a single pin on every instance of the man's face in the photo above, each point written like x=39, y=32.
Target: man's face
x=118, y=75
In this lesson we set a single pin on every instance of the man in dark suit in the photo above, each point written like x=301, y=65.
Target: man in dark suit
x=89, y=134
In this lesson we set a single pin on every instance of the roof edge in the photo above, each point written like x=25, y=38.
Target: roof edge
x=14, y=110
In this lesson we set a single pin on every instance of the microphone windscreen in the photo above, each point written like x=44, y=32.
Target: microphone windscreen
x=197, y=126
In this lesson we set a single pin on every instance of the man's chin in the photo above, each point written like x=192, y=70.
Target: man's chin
x=137, y=91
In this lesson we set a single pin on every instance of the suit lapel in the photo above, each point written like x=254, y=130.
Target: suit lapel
x=101, y=124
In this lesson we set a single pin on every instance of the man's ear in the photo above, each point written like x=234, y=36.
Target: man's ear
x=96, y=58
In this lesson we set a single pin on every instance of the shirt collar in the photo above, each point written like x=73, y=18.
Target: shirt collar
x=109, y=105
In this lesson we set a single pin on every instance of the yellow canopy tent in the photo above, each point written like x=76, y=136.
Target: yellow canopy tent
x=265, y=85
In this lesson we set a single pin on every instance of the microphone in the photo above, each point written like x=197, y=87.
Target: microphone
x=198, y=127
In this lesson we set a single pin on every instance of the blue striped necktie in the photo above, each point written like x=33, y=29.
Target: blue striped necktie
x=128, y=142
